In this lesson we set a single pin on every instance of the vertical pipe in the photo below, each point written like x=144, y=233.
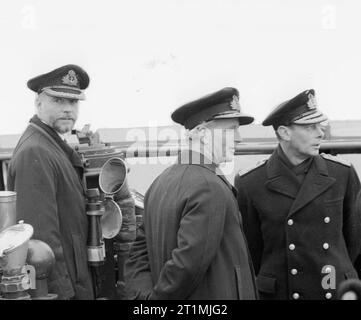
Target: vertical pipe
x=7, y=209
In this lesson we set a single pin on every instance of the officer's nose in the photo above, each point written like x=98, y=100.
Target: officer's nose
x=237, y=136
x=69, y=106
x=321, y=131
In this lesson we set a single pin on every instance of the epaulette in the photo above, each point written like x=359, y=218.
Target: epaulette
x=335, y=159
x=250, y=169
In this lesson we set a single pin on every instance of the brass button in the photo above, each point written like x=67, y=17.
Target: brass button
x=290, y=222
x=292, y=247
x=295, y=296
x=328, y=295
x=327, y=219
x=326, y=245
x=294, y=271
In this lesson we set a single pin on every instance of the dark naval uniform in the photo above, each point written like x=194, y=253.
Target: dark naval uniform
x=301, y=224
x=51, y=198
x=194, y=246
x=191, y=244
x=298, y=232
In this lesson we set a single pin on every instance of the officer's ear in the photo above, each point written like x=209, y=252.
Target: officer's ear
x=37, y=103
x=283, y=133
x=203, y=133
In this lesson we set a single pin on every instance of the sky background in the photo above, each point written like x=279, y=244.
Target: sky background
x=146, y=58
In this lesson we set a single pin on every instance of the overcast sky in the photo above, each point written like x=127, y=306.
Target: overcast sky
x=145, y=58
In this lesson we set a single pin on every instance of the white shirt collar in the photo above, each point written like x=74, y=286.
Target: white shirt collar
x=62, y=136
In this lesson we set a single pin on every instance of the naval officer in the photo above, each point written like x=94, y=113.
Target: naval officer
x=47, y=175
x=299, y=210
x=191, y=244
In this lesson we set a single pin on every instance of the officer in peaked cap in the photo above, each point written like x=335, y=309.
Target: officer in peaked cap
x=299, y=209
x=47, y=175
x=175, y=257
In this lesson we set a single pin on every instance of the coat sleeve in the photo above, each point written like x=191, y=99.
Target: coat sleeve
x=251, y=223
x=200, y=232
x=34, y=178
x=138, y=281
x=126, y=204
x=352, y=216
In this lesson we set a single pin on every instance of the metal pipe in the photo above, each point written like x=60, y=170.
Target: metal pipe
x=336, y=147
x=7, y=209
x=339, y=146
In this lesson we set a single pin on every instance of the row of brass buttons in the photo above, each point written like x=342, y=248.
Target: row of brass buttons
x=294, y=272
x=296, y=295
x=290, y=222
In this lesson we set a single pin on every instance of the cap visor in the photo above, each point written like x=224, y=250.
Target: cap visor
x=242, y=118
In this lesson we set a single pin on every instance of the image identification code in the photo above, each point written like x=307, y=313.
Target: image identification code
x=207, y=309
x=182, y=310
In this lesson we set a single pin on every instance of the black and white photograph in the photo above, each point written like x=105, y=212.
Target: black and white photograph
x=179, y=155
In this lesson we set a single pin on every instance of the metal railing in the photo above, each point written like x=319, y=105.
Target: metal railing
x=334, y=147
x=250, y=148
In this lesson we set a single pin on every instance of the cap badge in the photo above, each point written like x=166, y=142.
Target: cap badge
x=312, y=103
x=235, y=104
x=70, y=78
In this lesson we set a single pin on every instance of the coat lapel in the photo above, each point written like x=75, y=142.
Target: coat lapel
x=280, y=178
x=316, y=182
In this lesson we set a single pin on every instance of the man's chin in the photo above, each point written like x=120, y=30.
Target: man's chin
x=314, y=152
x=307, y=155
x=225, y=160
x=63, y=129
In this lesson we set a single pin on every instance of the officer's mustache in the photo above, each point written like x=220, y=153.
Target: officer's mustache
x=66, y=118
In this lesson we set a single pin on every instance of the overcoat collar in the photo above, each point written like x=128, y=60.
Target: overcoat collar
x=196, y=158
x=59, y=143
x=282, y=180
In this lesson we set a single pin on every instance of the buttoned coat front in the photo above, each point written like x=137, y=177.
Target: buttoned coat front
x=50, y=197
x=303, y=238
x=191, y=244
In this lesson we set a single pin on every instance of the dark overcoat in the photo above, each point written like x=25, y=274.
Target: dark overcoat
x=50, y=197
x=191, y=244
x=303, y=238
